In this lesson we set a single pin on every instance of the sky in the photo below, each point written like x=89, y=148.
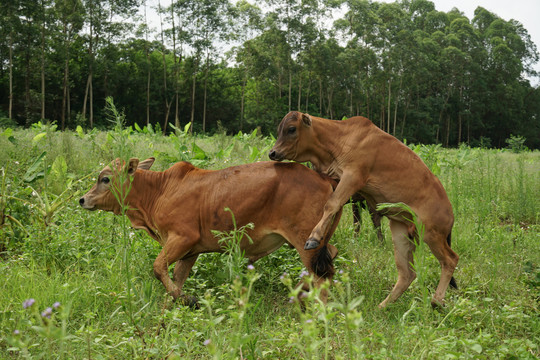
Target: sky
x=527, y=12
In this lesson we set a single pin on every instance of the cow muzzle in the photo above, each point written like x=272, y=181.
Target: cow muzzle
x=86, y=205
x=274, y=155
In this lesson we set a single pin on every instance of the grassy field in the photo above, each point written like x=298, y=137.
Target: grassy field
x=94, y=295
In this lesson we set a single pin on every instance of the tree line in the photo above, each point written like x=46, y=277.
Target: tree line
x=420, y=74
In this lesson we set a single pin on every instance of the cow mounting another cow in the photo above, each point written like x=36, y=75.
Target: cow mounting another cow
x=367, y=160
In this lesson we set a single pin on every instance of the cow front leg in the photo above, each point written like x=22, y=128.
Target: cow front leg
x=174, y=249
x=348, y=185
x=181, y=273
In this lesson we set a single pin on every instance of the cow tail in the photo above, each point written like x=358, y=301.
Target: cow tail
x=453, y=282
x=322, y=263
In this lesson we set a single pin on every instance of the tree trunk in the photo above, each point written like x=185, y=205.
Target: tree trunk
x=43, y=62
x=459, y=116
x=205, y=90
x=368, y=105
x=396, y=104
x=330, y=94
x=299, y=93
x=308, y=92
x=91, y=117
x=395, y=116
x=290, y=86
x=167, y=105
x=66, y=77
x=89, y=90
x=193, y=87
x=389, y=112
x=244, y=81
x=405, y=116
x=27, y=82
x=175, y=72
x=320, y=98
x=148, y=95
x=10, y=111
x=447, y=130
x=442, y=111
x=351, y=103
x=148, y=69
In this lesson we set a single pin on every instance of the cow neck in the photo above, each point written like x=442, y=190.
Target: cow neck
x=145, y=190
x=325, y=147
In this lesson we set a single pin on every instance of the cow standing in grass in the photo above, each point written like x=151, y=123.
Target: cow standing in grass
x=182, y=206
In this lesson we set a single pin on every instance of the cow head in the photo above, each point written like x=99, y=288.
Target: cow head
x=294, y=138
x=112, y=180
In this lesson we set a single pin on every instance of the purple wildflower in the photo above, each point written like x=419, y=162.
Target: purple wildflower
x=291, y=299
x=56, y=305
x=283, y=276
x=27, y=303
x=47, y=313
x=251, y=267
x=309, y=321
x=16, y=332
x=304, y=273
x=206, y=342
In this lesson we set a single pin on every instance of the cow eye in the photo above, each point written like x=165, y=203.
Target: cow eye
x=291, y=130
x=105, y=180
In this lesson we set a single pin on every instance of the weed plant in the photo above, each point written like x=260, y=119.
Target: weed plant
x=82, y=287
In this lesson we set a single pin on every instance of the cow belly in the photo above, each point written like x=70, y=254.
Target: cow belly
x=263, y=245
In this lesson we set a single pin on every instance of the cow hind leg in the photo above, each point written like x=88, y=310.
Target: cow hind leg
x=357, y=216
x=376, y=219
x=403, y=255
x=440, y=247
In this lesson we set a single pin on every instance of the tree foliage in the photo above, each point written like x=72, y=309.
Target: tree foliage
x=418, y=73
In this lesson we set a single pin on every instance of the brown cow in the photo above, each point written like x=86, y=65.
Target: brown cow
x=382, y=169
x=180, y=207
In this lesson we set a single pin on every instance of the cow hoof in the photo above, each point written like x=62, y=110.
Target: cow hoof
x=311, y=244
x=437, y=304
x=190, y=301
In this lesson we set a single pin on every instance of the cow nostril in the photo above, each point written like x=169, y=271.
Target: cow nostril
x=81, y=201
x=272, y=154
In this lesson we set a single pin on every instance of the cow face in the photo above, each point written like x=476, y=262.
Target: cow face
x=112, y=181
x=294, y=138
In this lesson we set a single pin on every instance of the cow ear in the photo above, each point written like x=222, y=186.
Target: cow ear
x=146, y=164
x=306, y=119
x=132, y=166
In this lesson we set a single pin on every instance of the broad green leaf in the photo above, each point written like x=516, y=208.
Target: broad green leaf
x=35, y=170
x=477, y=348
x=59, y=166
x=254, y=155
x=38, y=137
x=175, y=128
x=186, y=128
x=80, y=131
x=198, y=153
x=7, y=133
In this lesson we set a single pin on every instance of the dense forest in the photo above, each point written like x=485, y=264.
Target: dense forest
x=419, y=73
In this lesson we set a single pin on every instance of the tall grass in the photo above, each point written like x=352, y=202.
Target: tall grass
x=111, y=306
